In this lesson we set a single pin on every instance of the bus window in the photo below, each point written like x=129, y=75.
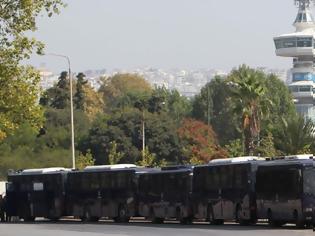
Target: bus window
x=216, y=178
x=308, y=181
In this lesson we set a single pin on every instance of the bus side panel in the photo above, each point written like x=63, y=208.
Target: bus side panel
x=279, y=193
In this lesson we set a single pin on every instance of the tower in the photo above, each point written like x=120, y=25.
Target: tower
x=300, y=45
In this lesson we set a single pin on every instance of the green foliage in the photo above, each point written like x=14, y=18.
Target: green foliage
x=79, y=96
x=125, y=129
x=148, y=159
x=84, y=160
x=251, y=103
x=114, y=156
x=58, y=97
x=245, y=106
x=122, y=85
x=18, y=99
x=266, y=147
x=235, y=148
x=214, y=106
x=295, y=136
x=170, y=102
x=19, y=84
x=24, y=149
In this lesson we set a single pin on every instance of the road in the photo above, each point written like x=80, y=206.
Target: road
x=68, y=228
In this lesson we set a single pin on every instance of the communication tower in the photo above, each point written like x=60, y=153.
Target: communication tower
x=300, y=45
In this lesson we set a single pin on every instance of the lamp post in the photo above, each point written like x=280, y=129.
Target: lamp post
x=71, y=104
x=143, y=135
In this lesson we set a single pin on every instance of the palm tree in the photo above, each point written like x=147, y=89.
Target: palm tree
x=295, y=136
x=251, y=103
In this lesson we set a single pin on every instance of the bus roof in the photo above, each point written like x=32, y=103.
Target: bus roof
x=289, y=162
x=238, y=159
x=160, y=171
x=111, y=167
x=293, y=157
x=41, y=171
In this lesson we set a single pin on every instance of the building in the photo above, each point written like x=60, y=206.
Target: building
x=300, y=45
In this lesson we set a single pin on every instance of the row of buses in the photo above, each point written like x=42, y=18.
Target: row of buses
x=244, y=190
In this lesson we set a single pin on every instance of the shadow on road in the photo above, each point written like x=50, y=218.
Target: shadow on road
x=166, y=225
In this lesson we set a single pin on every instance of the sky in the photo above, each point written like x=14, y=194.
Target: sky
x=185, y=34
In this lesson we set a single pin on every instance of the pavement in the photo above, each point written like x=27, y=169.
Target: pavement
x=76, y=228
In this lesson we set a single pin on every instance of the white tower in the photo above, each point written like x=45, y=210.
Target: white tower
x=301, y=46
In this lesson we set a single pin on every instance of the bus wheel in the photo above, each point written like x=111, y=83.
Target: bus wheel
x=29, y=219
x=299, y=223
x=210, y=217
x=239, y=219
x=270, y=219
x=122, y=215
x=272, y=222
x=86, y=216
x=186, y=220
x=154, y=219
x=53, y=219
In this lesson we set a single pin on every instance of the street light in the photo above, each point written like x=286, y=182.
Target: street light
x=71, y=104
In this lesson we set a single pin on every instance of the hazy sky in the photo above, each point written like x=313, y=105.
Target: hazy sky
x=126, y=34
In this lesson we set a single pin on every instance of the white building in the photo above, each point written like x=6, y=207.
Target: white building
x=300, y=45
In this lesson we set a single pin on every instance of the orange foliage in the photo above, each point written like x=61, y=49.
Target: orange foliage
x=200, y=142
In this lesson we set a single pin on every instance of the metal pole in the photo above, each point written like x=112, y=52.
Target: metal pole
x=71, y=107
x=143, y=135
x=208, y=102
x=72, y=119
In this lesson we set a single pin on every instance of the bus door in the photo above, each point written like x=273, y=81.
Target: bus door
x=227, y=192
x=37, y=199
x=217, y=200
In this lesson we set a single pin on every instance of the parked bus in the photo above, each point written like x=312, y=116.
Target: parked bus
x=165, y=194
x=102, y=191
x=286, y=190
x=36, y=193
x=225, y=190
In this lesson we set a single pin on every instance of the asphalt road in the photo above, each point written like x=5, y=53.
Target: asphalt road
x=72, y=228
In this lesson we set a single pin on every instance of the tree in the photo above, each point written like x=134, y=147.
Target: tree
x=296, y=136
x=148, y=159
x=214, y=106
x=114, y=156
x=125, y=129
x=18, y=99
x=179, y=107
x=266, y=147
x=19, y=84
x=58, y=96
x=251, y=103
x=86, y=98
x=171, y=102
x=83, y=161
x=199, y=142
x=235, y=148
x=61, y=100
x=79, y=96
x=119, y=85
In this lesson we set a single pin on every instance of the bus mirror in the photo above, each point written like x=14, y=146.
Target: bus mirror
x=9, y=187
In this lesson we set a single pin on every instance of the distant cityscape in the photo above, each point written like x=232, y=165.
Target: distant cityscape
x=187, y=82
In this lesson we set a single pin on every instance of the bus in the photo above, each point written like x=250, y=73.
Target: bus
x=36, y=193
x=225, y=190
x=102, y=191
x=166, y=194
x=285, y=190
